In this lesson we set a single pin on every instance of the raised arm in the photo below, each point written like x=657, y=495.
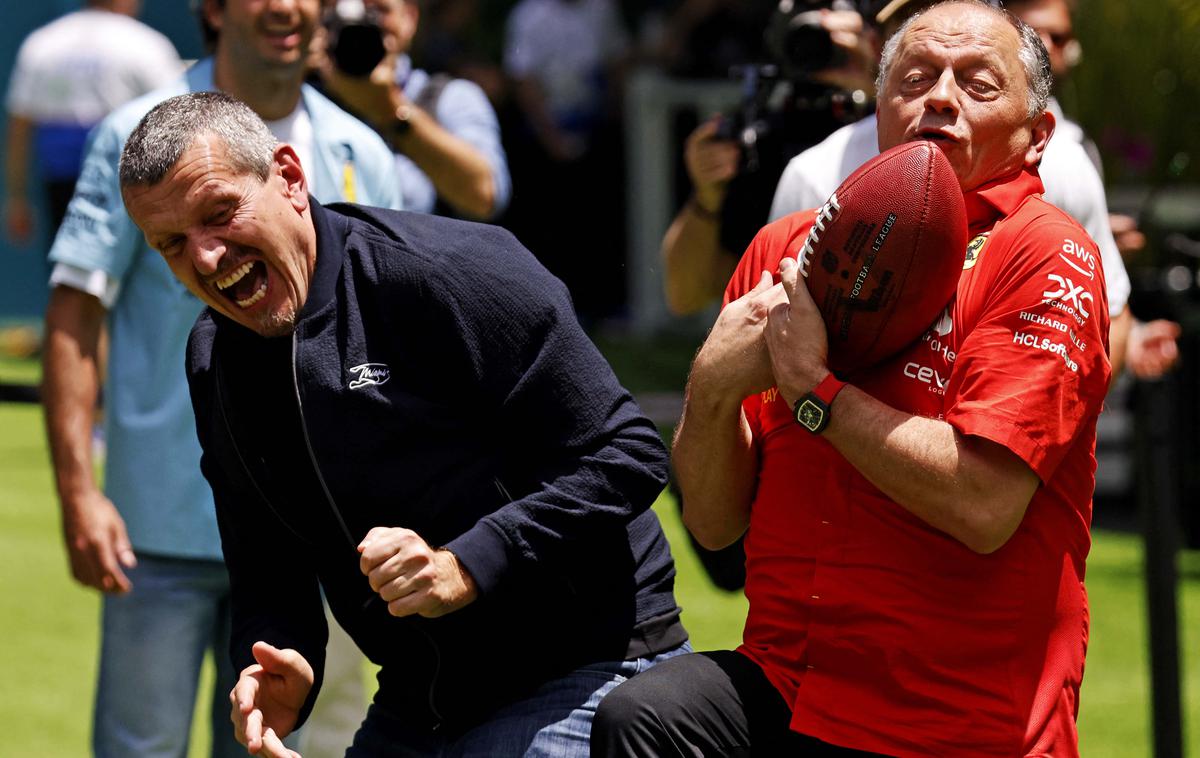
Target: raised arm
x=695, y=266
x=714, y=458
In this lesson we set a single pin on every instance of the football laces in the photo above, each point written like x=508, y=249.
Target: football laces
x=825, y=215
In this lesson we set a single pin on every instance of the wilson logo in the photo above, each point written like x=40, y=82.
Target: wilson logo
x=369, y=374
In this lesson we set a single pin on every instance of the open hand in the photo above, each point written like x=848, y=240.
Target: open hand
x=267, y=698
x=98, y=546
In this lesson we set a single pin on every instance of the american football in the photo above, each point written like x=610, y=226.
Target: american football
x=885, y=253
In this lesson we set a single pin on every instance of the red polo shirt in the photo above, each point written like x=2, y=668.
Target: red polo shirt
x=884, y=633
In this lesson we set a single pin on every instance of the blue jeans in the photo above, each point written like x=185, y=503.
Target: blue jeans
x=152, y=644
x=553, y=722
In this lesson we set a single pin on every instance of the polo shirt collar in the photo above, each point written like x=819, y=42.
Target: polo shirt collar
x=1000, y=197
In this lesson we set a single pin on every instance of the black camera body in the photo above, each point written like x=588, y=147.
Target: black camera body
x=354, y=37
x=798, y=43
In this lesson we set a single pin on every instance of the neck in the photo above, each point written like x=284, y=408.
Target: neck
x=271, y=92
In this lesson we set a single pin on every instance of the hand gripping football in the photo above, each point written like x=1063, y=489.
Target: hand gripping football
x=885, y=253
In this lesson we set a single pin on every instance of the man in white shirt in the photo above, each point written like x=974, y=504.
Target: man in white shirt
x=69, y=74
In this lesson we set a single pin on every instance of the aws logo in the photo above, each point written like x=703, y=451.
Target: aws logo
x=974, y=250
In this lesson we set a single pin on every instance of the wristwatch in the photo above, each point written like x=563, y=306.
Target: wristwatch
x=812, y=410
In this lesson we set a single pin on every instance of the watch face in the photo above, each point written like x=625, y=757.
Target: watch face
x=810, y=415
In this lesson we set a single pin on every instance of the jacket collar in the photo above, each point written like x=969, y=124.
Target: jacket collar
x=331, y=245
x=1000, y=197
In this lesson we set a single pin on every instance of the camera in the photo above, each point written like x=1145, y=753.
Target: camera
x=797, y=41
x=752, y=122
x=354, y=37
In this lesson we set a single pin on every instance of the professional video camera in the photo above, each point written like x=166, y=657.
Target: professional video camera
x=781, y=109
x=797, y=41
x=354, y=37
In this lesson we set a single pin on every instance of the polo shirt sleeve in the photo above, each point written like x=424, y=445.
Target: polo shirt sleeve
x=1034, y=368
x=22, y=84
x=463, y=109
x=97, y=233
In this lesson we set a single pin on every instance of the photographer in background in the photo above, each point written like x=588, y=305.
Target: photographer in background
x=826, y=56
x=1150, y=348
x=443, y=131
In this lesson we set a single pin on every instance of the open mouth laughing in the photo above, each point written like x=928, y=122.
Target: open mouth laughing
x=245, y=285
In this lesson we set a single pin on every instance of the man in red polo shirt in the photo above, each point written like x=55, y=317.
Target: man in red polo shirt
x=914, y=567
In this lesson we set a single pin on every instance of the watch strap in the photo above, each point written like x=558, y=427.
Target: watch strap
x=813, y=410
x=828, y=389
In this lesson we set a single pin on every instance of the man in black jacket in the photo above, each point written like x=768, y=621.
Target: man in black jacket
x=402, y=410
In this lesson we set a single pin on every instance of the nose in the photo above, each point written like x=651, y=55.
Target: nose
x=206, y=253
x=942, y=97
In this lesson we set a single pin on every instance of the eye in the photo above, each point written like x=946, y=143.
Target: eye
x=981, y=86
x=221, y=214
x=171, y=246
x=914, y=80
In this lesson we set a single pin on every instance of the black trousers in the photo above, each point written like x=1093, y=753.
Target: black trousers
x=702, y=705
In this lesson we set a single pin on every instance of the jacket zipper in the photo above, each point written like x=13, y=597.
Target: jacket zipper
x=312, y=457
x=241, y=459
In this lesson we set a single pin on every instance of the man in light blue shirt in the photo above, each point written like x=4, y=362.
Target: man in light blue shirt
x=150, y=540
x=444, y=132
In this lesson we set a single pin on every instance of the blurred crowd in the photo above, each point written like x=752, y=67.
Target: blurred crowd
x=553, y=74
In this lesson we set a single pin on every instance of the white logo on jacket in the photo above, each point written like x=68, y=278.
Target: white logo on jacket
x=370, y=374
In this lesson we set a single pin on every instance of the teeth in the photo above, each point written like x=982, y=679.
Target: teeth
x=259, y=295
x=236, y=276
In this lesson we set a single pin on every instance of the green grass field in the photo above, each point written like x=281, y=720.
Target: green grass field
x=49, y=624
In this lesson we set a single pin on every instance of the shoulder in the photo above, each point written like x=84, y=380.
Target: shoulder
x=432, y=241
x=1068, y=173
x=465, y=90
x=1038, y=240
x=125, y=118
x=332, y=124
x=828, y=158
x=449, y=261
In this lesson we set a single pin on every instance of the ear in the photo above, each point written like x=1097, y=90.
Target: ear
x=287, y=164
x=1041, y=131
x=214, y=13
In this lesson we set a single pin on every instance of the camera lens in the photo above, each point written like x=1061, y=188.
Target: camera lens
x=808, y=48
x=358, y=49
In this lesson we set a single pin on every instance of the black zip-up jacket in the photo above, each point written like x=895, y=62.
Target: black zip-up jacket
x=438, y=380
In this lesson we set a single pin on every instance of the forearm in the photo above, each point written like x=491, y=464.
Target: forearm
x=1118, y=340
x=974, y=490
x=715, y=466
x=16, y=162
x=460, y=173
x=695, y=267
x=70, y=387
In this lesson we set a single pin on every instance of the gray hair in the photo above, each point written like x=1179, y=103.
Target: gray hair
x=174, y=125
x=1032, y=54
